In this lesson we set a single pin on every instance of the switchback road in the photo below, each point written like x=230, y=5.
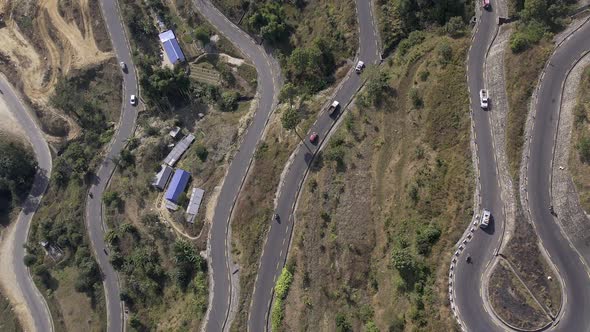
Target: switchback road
x=572, y=267
x=269, y=80
x=94, y=218
x=33, y=298
x=279, y=236
x=468, y=284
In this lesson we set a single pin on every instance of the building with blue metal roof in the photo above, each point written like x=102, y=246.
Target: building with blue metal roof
x=171, y=47
x=177, y=185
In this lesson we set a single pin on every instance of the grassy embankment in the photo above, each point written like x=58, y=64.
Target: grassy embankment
x=512, y=301
x=8, y=320
x=579, y=160
x=71, y=283
x=387, y=200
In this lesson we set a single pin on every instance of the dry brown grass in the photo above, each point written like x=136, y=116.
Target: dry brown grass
x=512, y=301
x=8, y=320
x=579, y=170
x=350, y=217
x=522, y=73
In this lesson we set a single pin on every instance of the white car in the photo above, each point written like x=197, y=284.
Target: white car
x=483, y=98
x=133, y=100
x=359, y=67
x=485, y=218
x=123, y=66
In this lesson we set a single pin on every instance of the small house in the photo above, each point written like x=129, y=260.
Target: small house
x=177, y=185
x=162, y=177
x=171, y=47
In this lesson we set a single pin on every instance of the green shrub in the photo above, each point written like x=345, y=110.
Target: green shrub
x=519, y=42
x=415, y=97
x=229, y=101
x=425, y=238
x=111, y=198
x=445, y=53
x=584, y=149
x=455, y=27
x=202, y=152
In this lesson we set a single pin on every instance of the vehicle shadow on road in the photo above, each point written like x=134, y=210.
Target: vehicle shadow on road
x=491, y=229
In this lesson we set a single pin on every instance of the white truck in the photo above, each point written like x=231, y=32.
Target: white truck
x=333, y=108
x=485, y=218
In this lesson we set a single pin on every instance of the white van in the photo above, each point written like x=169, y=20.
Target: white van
x=485, y=218
x=483, y=98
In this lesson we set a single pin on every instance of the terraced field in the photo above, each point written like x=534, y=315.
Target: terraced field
x=205, y=75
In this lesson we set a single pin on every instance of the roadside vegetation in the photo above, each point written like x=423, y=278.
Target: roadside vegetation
x=530, y=47
x=17, y=171
x=255, y=204
x=387, y=199
x=8, y=320
x=64, y=269
x=579, y=161
x=314, y=40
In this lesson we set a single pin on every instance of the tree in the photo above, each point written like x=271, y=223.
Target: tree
x=445, y=53
x=455, y=26
x=288, y=92
x=202, y=35
x=229, y=101
x=201, y=152
x=290, y=120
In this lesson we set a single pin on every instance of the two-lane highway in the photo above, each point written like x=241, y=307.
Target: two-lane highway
x=94, y=218
x=279, y=236
x=34, y=300
x=269, y=81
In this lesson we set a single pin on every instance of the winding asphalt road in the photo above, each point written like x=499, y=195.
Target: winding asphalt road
x=94, y=218
x=575, y=274
x=33, y=298
x=269, y=81
x=468, y=282
x=278, y=239
x=468, y=277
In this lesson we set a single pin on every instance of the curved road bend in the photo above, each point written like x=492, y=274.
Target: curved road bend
x=279, y=236
x=575, y=275
x=33, y=298
x=268, y=88
x=94, y=220
x=468, y=277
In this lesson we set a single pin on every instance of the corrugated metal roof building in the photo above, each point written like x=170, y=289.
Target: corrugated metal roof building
x=177, y=185
x=162, y=177
x=179, y=149
x=194, y=204
x=171, y=47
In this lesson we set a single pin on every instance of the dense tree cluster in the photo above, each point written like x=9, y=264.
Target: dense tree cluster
x=269, y=21
x=310, y=68
x=538, y=17
x=17, y=171
x=400, y=17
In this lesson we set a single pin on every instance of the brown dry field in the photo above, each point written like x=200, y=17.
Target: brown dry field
x=351, y=216
x=41, y=43
x=512, y=301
